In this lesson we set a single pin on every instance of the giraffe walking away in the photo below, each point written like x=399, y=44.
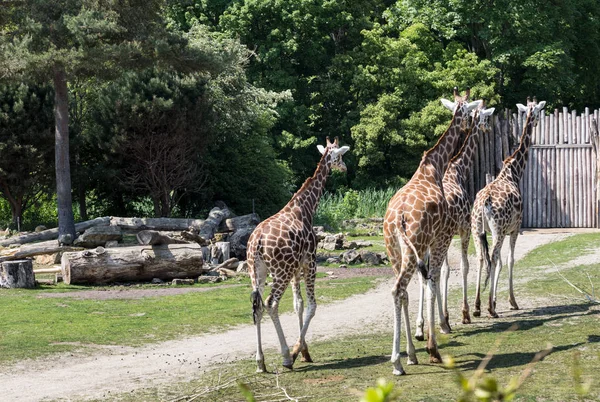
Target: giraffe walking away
x=412, y=226
x=499, y=205
x=458, y=217
x=284, y=245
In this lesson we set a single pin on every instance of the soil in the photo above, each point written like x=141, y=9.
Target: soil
x=116, y=370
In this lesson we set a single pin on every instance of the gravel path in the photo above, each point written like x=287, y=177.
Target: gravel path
x=115, y=370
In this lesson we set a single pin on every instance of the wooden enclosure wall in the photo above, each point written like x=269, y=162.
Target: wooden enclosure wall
x=559, y=182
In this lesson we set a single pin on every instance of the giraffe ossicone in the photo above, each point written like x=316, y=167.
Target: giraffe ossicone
x=284, y=245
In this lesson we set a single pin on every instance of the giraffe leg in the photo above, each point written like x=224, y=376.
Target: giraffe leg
x=434, y=354
x=437, y=258
x=444, y=291
x=398, y=295
x=419, y=334
x=301, y=346
x=495, y=275
x=511, y=263
x=464, y=268
x=410, y=347
x=272, y=304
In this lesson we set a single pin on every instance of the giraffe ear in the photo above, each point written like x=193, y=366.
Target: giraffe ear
x=473, y=105
x=488, y=112
x=343, y=150
x=321, y=149
x=448, y=104
x=540, y=106
x=522, y=108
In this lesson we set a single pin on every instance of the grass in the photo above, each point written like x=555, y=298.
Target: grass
x=346, y=366
x=33, y=325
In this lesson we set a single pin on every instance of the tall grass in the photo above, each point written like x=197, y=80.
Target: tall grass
x=352, y=204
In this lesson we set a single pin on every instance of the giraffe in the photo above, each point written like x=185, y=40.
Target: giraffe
x=284, y=245
x=458, y=217
x=499, y=205
x=411, y=227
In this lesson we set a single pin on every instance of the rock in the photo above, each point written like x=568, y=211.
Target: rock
x=209, y=279
x=157, y=281
x=363, y=243
x=351, y=257
x=344, y=266
x=98, y=236
x=39, y=228
x=332, y=242
x=238, y=242
x=370, y=258
x=211, y=273
x=178, y=281
x=228, y=273
x=111, y=243
x=333, y=260
x=348, y=245
x=384, y=258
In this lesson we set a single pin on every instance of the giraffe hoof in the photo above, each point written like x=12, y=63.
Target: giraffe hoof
x=412, y=361
x=419, y=337
x=477, y=313
x=289, y=366
x=261, y=368
x=493, y=314
x=435, y=358
x=466, y=318
x=306, y=357
x=399, y=372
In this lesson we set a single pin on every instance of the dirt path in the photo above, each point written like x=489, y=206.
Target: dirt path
x=116, y=370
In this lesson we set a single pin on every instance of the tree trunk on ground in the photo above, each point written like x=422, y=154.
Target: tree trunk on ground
x=153, y=237
x=17, y=274
x=127, y=264
x=174, y=224
x=31, y=250
x=209, y=227
x=66, y=221
x=51, y=234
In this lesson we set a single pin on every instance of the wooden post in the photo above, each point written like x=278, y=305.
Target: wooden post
x=17, y=274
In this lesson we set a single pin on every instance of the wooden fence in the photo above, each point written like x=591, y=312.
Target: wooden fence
x=559, y=185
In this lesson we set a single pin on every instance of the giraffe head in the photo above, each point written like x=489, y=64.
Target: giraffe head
x=335, y=151
x=481, y=117
x=533, y=107
x=515, y=163
x=461, y=106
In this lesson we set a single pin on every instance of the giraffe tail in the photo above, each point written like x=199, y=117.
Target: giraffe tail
x=257, y=305
x=423, y=269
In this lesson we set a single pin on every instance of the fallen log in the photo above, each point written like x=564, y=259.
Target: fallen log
x=51, y=234
x=17, y=274
x=137, y=263
x=152, y=237
x=173, y=224
x=31, y=250
x=54, y=270
x=239, y=222
x=207, y=230
x=98, y=236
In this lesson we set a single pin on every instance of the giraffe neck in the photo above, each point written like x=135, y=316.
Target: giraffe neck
x=439, y=156
x=465, y=156
x=308, y=196
x=522, y=151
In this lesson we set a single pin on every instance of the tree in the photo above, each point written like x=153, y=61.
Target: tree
x=25, y=145
x=59, y=41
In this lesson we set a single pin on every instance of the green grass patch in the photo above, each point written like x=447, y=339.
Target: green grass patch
x=561, y=251
x=34, y=325
x=346, y=366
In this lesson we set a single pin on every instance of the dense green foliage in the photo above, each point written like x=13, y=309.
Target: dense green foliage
x=243, y=90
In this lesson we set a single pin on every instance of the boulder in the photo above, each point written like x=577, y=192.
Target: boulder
x=242, y=266
x=179, y=281
x=332, y=242
x=209, y=279
x=351, y=257
x=370, y=258
x=333, y=260
x=238, y=242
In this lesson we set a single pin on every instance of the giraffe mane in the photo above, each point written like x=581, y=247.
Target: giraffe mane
x=311, y=178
